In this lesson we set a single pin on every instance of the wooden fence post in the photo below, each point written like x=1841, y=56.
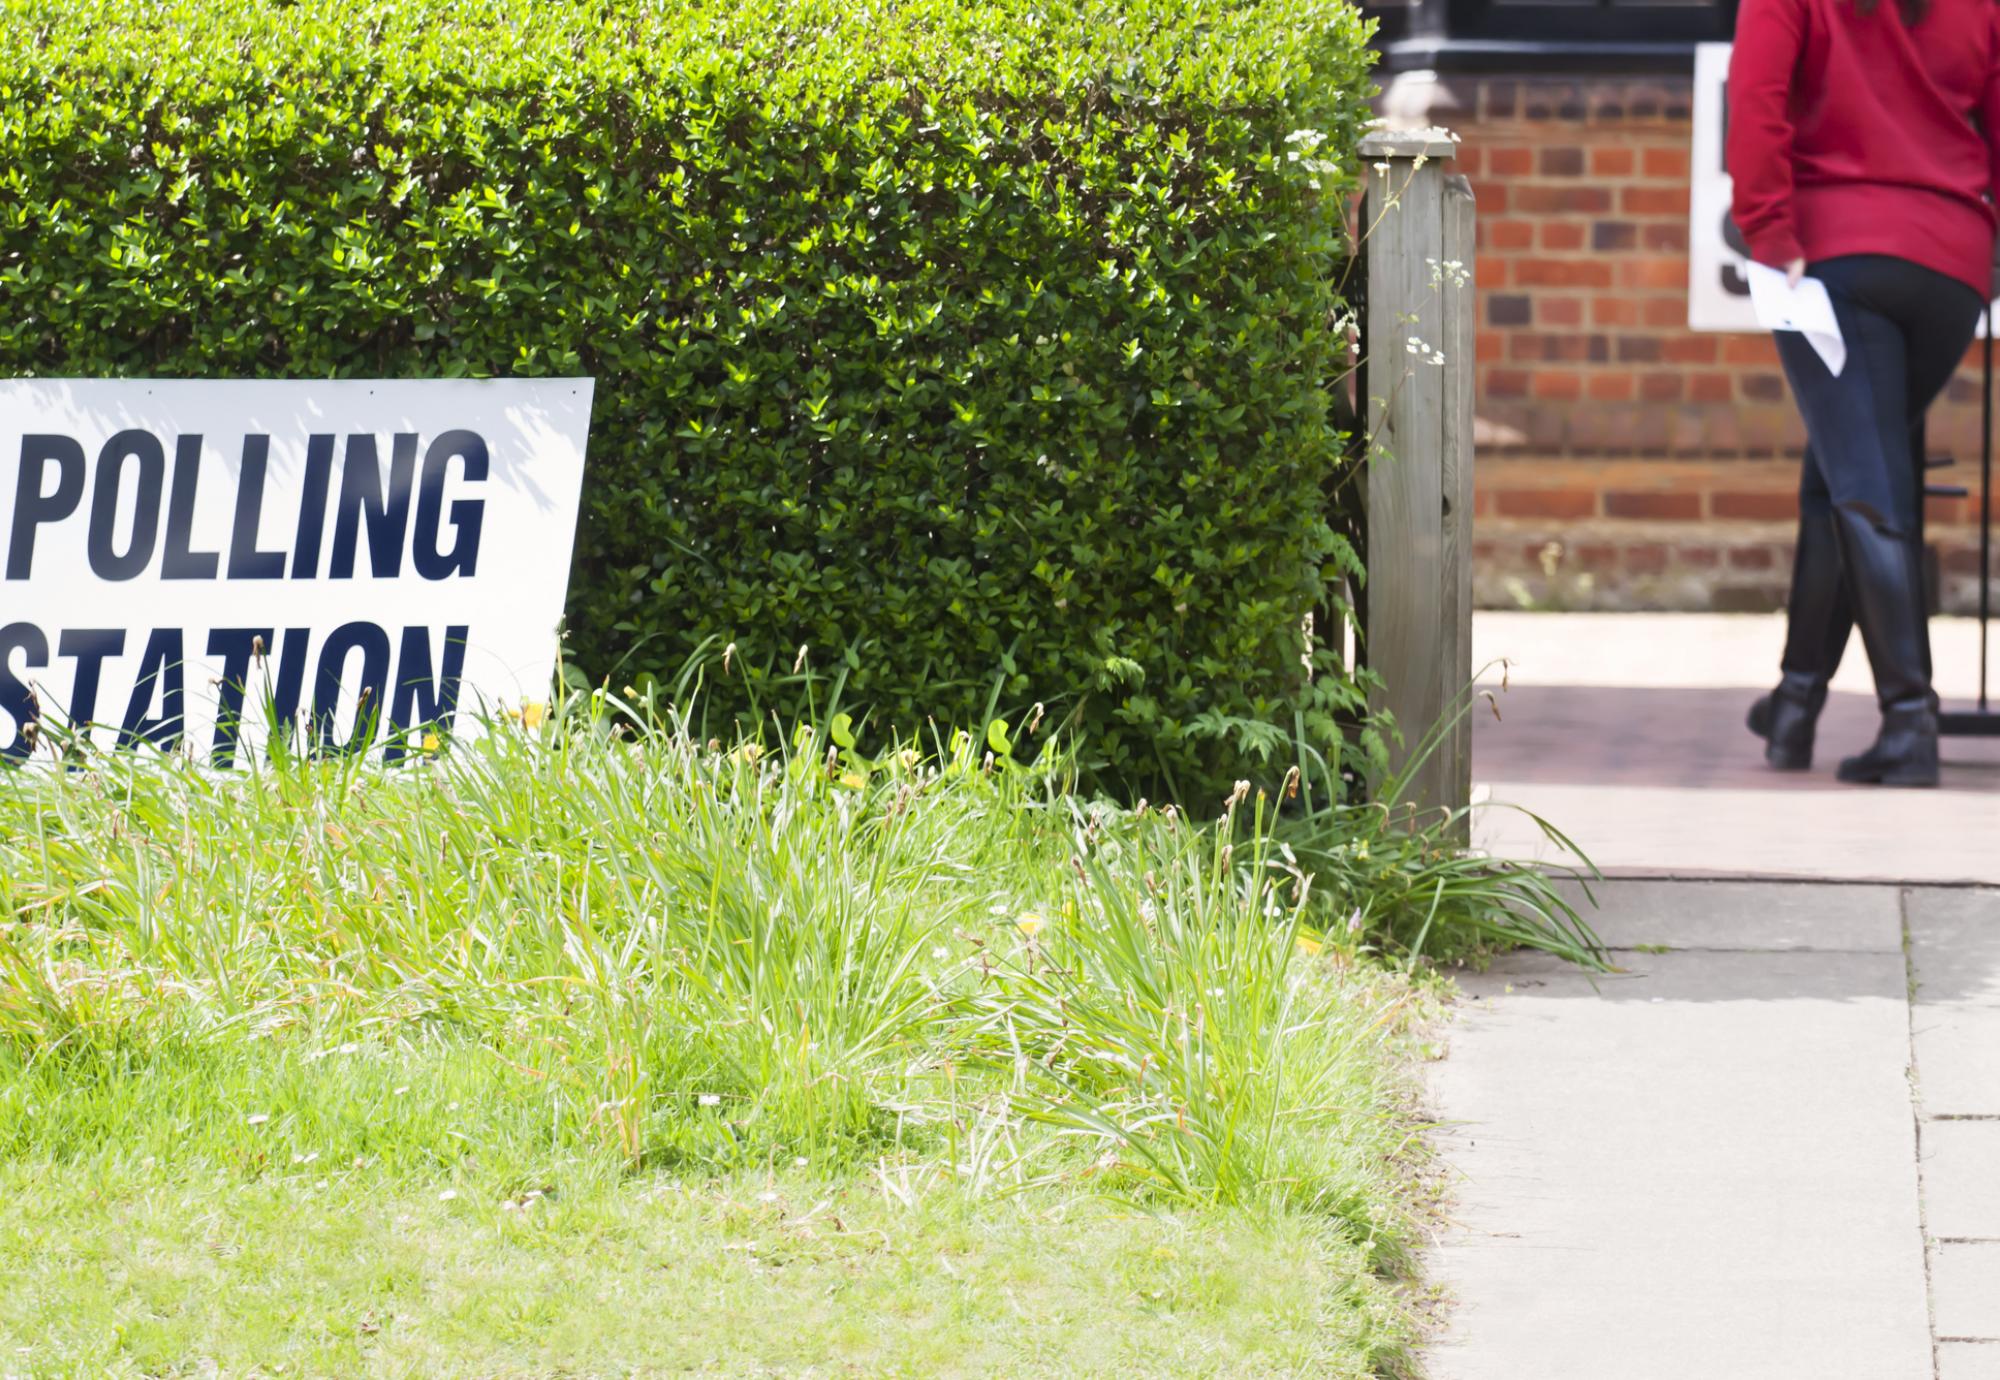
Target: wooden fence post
x=1419, y=346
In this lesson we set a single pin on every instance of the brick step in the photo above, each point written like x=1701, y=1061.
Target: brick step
x=1710, y=566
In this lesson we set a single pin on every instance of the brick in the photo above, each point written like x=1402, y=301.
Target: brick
x=1671, y=164
x=1614, y=311
x=1764, y=387
x=1564, y=201
x=1613, y=235
x=1595, y=556
x=1665, y=237
x=1752, y=558
x=1498, y=100
x=1711, y=388
x=1646, y=558
x=1489, y=345
x=1638, y=349
x=1560, y=311
x=1688, y=349
x=1665, y=311
x=1508, y=310
x=1493, y=198
x=1755, y=506
x=1562, y=236
x=1552, y=100
x=1509, y=234
x=1508, y=162
x=1490, y=272
x=1749, y=349
x=1611, y=387
x=1699, y=557
x=1611, y=162
x=1558, y=385
x=1470, y=159
x=1562, y=162
x=1507, y=383
x=1662, y=387
x=1665, y=507
x=1948, y=512
x=1658, y=272
x=1654, y=201
x=1546, y=503
x=1587, y=273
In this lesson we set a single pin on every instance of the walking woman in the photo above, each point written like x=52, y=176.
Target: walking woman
x=1859, y=142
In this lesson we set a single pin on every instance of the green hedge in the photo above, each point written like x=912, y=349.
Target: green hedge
x=981, y=346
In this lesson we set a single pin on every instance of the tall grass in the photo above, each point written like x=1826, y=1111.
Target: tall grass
x=598, y=936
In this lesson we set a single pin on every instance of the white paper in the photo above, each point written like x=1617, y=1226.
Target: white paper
x=1805, y=308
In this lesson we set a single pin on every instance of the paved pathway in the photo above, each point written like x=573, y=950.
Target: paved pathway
x=1771, y=1146
x=1626, y=730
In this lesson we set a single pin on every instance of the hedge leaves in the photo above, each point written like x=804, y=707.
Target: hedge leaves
x=967, y=344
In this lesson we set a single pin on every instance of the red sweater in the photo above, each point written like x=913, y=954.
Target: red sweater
x=1854, y=133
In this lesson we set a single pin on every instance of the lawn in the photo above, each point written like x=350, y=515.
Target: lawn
x=591, y=1048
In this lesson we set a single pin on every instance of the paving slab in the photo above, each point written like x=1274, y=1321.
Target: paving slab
x=1854, y=835
x=1961, y=1163
x=1955, y=1010
x=1965, y=1290
x=1704, y=1168
x=1955, y=943
x=1968, y=1361
x=1958, y=1059
x=1757, y=916
x=1689, y=651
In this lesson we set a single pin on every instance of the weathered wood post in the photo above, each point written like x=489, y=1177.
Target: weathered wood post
x=1419, y=347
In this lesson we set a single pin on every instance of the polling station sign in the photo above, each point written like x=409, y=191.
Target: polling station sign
x=191, y=564
x=1718, y=288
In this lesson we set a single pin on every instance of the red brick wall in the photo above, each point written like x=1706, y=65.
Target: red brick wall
x=1660, y=460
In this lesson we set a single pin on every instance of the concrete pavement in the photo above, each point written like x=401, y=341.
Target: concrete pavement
x=1770, y=1148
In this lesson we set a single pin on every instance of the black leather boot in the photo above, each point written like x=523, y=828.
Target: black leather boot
x=1788, y=718
x=1905, y=753
x=1817, y=623
x=1885, y=584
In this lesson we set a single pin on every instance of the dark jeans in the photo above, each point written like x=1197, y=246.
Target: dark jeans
x=1907, y=327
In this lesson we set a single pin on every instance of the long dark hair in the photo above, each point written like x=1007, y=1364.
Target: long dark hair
x=1913, y=10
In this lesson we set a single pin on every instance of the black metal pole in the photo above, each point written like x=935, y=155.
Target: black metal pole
x=1985, y=505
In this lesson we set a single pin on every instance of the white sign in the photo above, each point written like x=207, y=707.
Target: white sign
x=187, y=563
x=1718, y=291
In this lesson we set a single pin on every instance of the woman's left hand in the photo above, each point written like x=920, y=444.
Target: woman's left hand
x=1794, y=271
